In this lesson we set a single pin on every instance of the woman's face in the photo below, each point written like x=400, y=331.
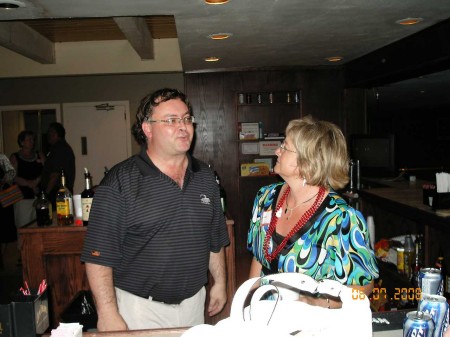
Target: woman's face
x=28, y=142
x=286, y=165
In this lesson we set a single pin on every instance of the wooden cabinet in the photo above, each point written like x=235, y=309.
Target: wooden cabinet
x=398, y=209
x=53, y=253
x=271, y=111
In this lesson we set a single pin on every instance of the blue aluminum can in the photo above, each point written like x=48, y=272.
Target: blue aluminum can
x=418, y=324
x=437, y=307
x=431, y=281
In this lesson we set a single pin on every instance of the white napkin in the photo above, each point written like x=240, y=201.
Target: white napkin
x=68, y=330
x=442, y=182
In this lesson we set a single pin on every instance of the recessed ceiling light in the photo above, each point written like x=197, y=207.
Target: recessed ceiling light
x=211, y=59
x=220, y=36
x=216, y=2
x=11, y=4
x=334, y=58
x=409, y=21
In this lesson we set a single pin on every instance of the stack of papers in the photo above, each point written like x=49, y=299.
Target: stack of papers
x=442, y=182
x=68, y=330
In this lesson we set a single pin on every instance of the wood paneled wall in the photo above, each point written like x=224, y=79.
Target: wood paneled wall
x=213, y=99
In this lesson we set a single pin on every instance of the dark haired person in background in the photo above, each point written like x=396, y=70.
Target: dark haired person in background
x=60, y=156
x=156, y=226
x=28, y=164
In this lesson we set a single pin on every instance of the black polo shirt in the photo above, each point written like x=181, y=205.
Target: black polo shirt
x=156, y=236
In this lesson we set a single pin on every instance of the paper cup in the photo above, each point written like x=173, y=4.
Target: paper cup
x=77, y=205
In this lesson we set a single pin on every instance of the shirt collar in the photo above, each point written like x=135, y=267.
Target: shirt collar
x=148, y=168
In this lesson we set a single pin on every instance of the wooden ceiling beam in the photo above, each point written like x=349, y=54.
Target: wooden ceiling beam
x=22, y=39
x=136, y=31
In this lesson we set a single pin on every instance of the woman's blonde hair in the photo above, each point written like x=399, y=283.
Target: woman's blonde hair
x=321, y=148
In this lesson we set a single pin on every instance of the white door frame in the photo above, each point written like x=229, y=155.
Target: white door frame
x=76, y=116
x=125, y=104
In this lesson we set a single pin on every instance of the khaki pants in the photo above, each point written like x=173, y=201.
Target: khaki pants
x=142, y=313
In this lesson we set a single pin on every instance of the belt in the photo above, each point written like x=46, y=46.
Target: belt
x=155, y=299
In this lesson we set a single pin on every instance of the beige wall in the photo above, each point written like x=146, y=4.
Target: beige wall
x=94, y=57
x=95, y=88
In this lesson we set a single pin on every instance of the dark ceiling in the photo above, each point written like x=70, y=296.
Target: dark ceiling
x=265, y=33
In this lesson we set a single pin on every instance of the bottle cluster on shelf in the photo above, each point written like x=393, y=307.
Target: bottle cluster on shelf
x=415, y=279
x=262, y=117
x=70, y=209
x=272, y=97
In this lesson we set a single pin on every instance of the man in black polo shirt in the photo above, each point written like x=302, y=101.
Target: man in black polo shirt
x=156, y=226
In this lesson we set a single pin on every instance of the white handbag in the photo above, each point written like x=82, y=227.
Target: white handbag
x=283, y=316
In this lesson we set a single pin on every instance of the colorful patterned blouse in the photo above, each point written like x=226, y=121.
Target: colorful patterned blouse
x=333, y=244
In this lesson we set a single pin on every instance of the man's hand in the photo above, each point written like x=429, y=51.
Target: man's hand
x=217, y=299
x=101, y=282
x=218, y=292
x=111, y=322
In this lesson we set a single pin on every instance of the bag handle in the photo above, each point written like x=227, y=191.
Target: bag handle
x=294, y=280
x=237, y=305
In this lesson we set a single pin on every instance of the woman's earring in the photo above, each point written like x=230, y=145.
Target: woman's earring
x=304, y=182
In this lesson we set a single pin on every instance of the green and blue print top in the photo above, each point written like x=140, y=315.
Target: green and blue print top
x=333, y=244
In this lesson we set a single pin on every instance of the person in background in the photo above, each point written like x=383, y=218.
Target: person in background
x=28, y=164
x=8, y=231
x=60, y=157
x=301, y=224
x=156, y=226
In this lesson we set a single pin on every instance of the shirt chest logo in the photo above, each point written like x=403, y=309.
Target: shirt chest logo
x=204, y=199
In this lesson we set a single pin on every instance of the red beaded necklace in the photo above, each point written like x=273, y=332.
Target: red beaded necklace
x=301, y=222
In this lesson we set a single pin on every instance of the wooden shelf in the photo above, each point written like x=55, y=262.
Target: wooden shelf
x=273, y=117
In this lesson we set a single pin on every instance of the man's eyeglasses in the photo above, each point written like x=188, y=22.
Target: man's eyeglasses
x=188, y=120
x=283, y=148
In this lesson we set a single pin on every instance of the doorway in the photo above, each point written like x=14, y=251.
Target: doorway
x=99, y=134
x=36, y=118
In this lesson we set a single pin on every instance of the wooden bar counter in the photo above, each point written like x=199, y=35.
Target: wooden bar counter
x=176, y=332
x=398, y=209
x=53, y=253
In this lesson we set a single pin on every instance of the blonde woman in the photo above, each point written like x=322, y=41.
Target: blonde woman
x=301, y=224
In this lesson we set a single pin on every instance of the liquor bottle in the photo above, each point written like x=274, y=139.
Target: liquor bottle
x=442, y=266
x=64, y=203
x=409, y=256
x=288, y=97
x=417, y=263
x=223, y=197
x=419, y=242
x=86, y=197
x=43, y=211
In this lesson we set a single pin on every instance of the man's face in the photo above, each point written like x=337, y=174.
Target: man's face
x=52, y=136
x=171, y=139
